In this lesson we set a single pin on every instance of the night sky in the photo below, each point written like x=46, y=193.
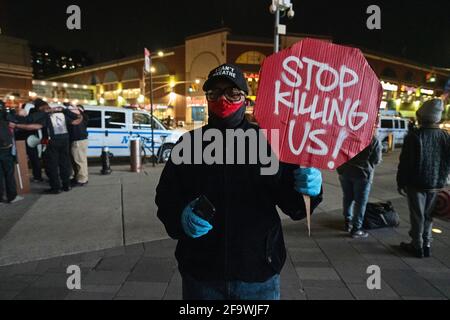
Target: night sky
x=416, y=30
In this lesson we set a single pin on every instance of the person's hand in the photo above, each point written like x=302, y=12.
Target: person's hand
x=401, y=191
x=193, y=225
x=308, y=181
x=12, y=125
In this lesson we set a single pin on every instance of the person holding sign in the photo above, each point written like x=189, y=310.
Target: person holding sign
x=223, y=212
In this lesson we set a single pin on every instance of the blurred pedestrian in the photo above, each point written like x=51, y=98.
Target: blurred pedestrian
x=422, y=172
x=7, y=177
x=239, y=252
x=79, y=147
x=57, y=154
x=356, y=178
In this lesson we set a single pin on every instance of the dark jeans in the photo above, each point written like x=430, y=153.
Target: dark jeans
x=35, y=162
x=420, y=208
x=7, y=178
x=57, y=162
x=230, y=290
x=356, y=195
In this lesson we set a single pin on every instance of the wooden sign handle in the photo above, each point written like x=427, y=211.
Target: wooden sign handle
x=307, y=200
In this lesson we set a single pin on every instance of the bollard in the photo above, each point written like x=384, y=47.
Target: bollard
x=106, y=165
x=135, y=156
x=391, y=142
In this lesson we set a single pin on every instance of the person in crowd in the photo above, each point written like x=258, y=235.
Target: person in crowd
x=240, y=252
x=7, y=178
x=57, y=155
x=79, y=147
x=32, y=152
x=356, y=178
x=423, y=170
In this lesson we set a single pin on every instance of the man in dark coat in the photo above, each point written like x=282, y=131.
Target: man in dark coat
x=423, y=171
x=239, y=252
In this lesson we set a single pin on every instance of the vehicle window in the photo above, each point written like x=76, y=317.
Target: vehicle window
x=115, y=120
x=142, y=120
x=403, y=124
x=397, y=124
x=95, y=119
x=157, y=125
x=386, y=124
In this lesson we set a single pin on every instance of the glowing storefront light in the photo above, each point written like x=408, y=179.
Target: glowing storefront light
x=427, y=92
x=389, y=86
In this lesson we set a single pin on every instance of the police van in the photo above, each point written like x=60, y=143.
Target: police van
x=114, y=127
x=392, y=124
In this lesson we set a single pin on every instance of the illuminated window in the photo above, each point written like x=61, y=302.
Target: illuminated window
x=251, y=57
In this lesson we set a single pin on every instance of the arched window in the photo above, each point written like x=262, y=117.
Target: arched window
x=110, y=77
x=389, y=73
x=160, y=68
x=409, y=76
x=251, y=57
x=130, y=74
x=94, y=80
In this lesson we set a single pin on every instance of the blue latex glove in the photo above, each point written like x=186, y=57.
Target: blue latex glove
x=308, y=181
x=193, y=225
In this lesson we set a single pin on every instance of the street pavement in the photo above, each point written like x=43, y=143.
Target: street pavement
x=110, y=230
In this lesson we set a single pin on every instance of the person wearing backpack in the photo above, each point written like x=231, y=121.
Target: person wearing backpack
x=7, y=178
x=356, y=177
x=422, y=172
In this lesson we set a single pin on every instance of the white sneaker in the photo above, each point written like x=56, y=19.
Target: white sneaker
x=16, y=199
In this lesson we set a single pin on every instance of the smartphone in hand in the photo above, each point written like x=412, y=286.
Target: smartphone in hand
x=204, y=209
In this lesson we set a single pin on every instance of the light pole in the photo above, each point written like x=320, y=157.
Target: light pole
x=149, y=69
x=277, y=7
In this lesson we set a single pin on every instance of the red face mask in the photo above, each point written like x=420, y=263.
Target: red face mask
x=223, y=108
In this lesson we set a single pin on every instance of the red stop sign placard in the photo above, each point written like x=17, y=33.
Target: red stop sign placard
x=324, y=100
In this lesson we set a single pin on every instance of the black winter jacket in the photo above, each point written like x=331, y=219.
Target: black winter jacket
x=425, y=159
x=363, y=165
x=246, y=242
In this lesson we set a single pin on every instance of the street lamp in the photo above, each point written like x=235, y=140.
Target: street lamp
x=149, y=69
x=276, y=8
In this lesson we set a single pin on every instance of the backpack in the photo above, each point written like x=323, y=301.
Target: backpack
x=5, y=135
x=381, y=215
x=442, y=207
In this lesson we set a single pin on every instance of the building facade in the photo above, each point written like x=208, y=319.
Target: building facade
x=179, y=73
x=15, y=71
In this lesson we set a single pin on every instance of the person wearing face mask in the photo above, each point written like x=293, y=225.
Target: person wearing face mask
x=239, y=252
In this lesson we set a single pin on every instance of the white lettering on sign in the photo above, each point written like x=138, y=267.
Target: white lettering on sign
x=341, y=111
